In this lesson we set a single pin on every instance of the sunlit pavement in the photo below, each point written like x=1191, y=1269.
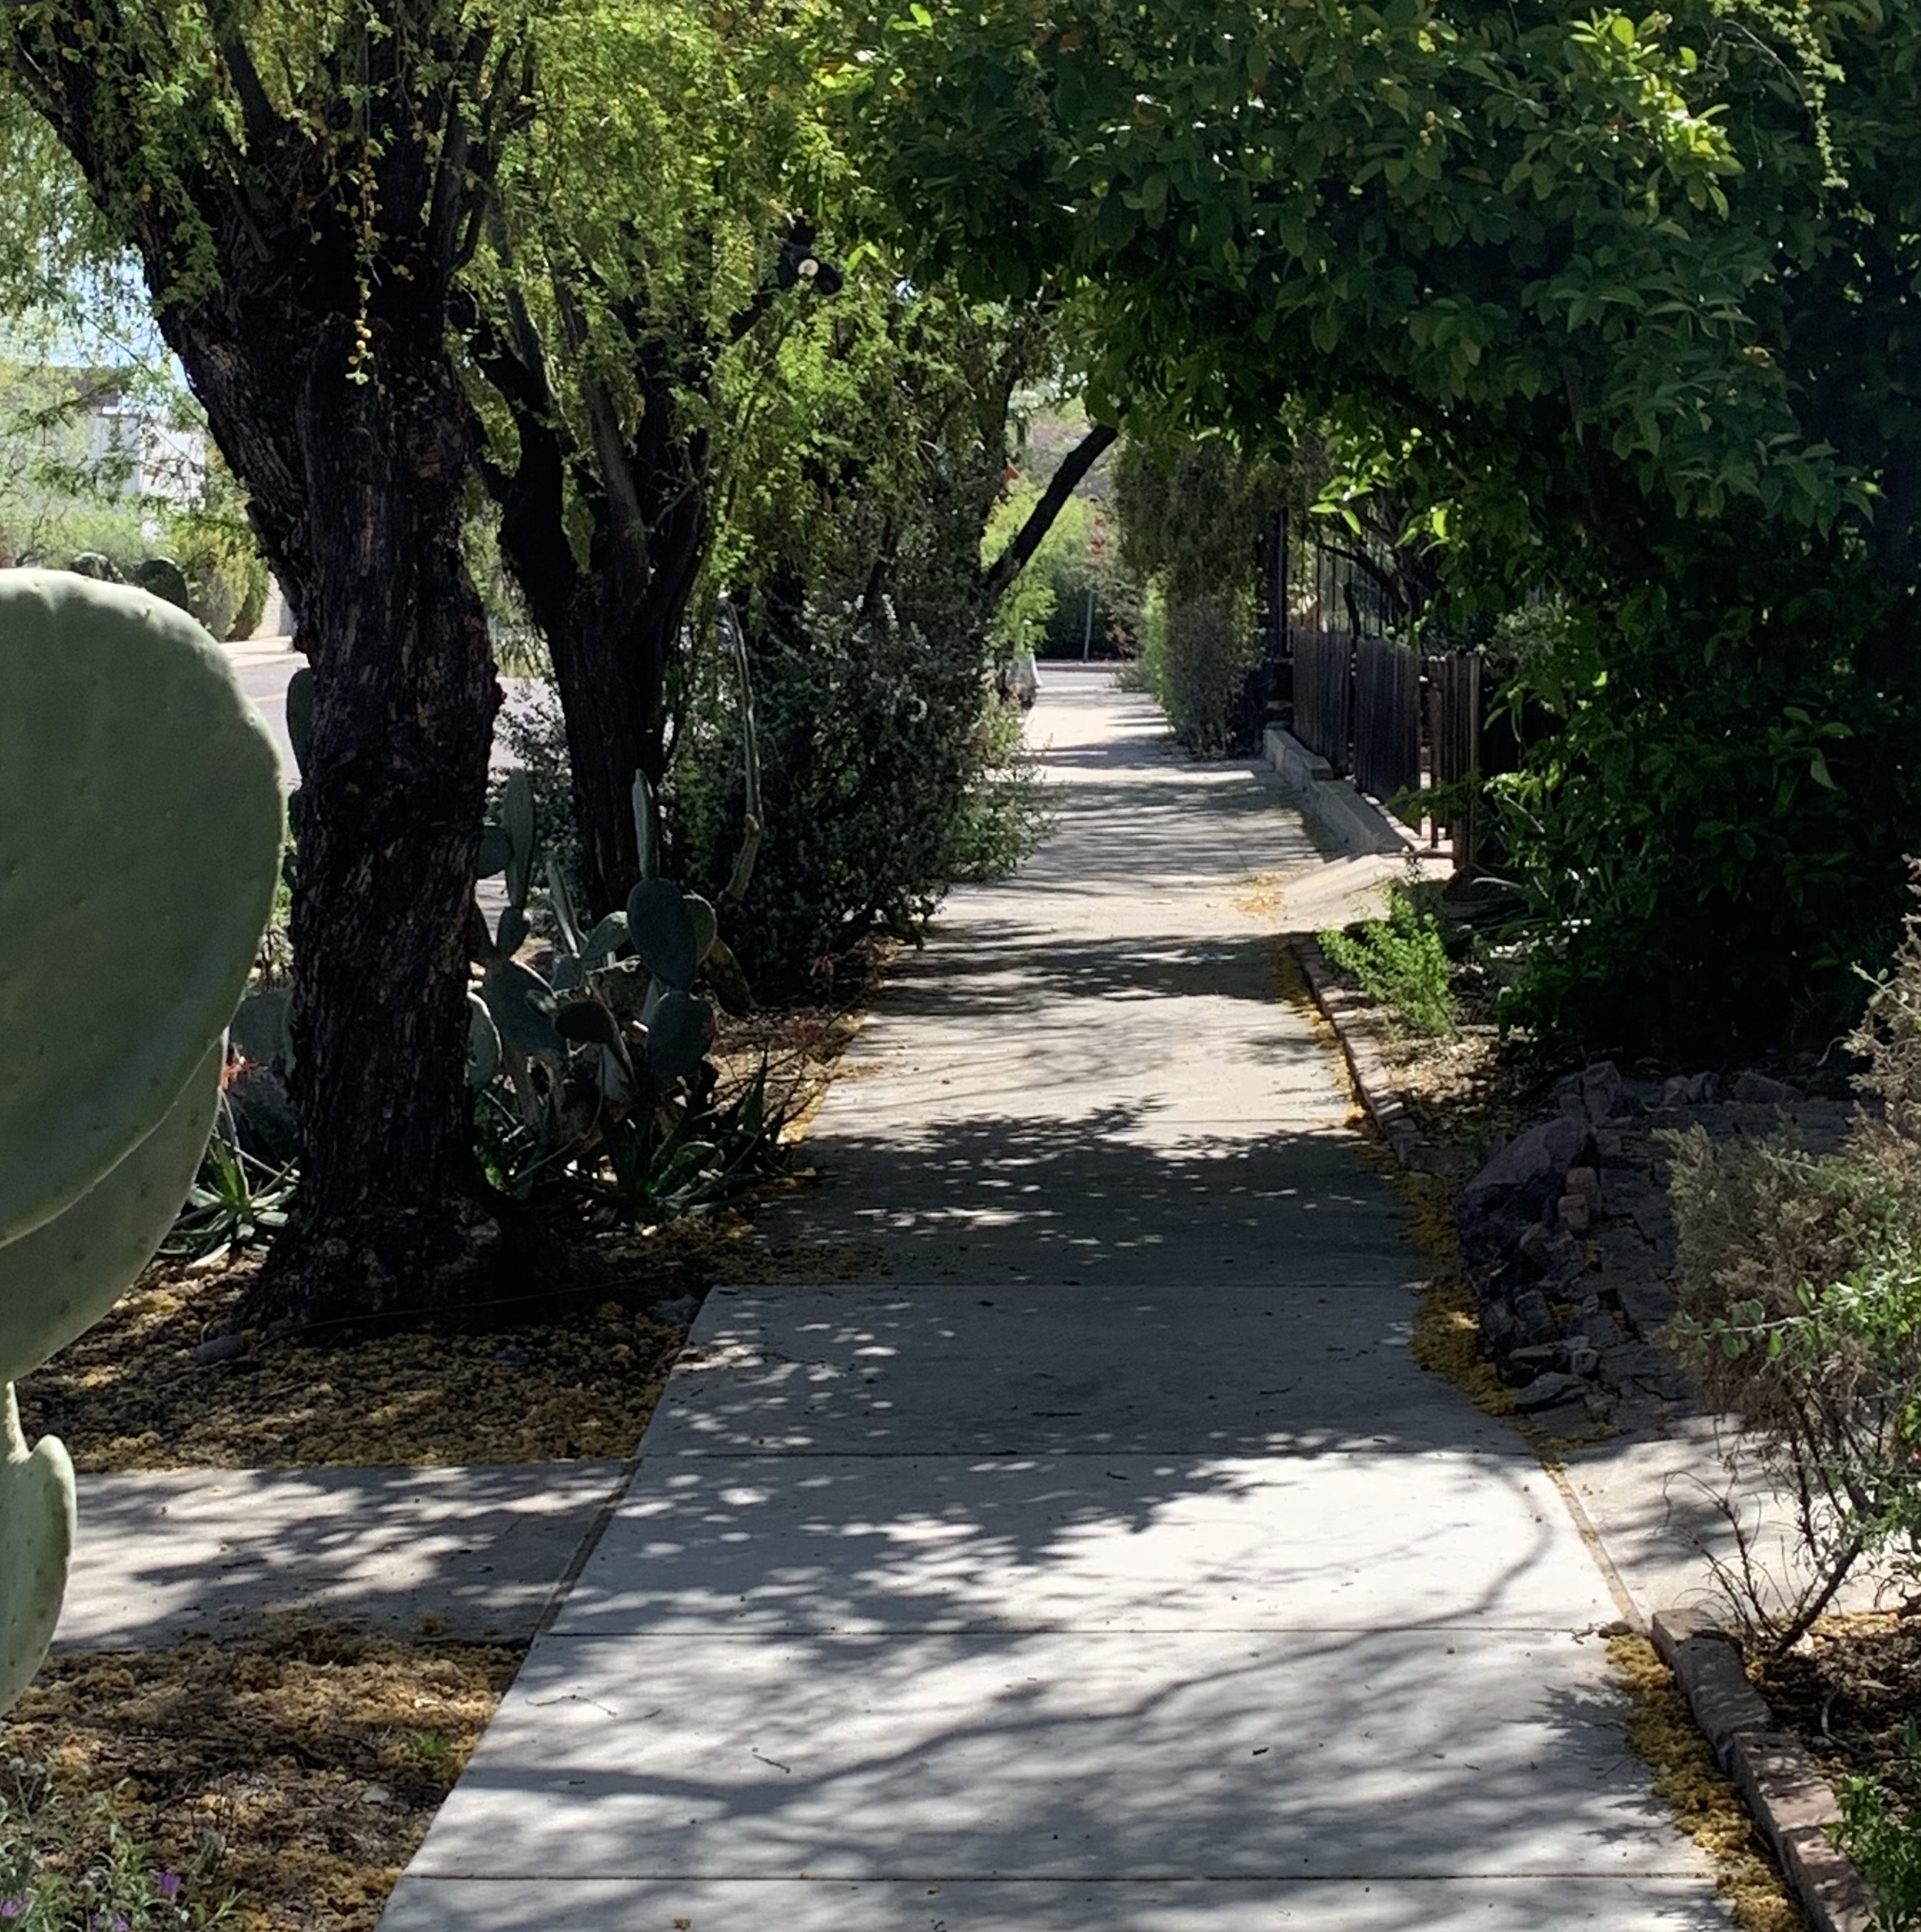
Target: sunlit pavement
x=1108, y=1565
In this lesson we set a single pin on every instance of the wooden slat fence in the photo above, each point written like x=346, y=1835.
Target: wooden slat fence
x=1386, y=718
x=1324, y=694
x=1390, y=717
x=1454, y=739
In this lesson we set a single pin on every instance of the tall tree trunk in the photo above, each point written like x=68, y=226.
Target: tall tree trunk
x=357, y=489
x=611, y=652
x=301, y=257
x=613, y=629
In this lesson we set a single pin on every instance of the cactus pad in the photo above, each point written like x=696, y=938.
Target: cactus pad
x=164, y=578
x=37, y=1528
x=706, y=927
x=677, y=1034
x=660, y=929
x=57, y=1281
x=140, y=794
x=484, y=1043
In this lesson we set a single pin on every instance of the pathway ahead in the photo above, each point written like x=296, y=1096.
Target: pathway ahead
x=1110, y=1567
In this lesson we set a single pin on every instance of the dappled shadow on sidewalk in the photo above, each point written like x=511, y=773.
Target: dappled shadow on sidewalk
x=1016, y=970
x=1120, y=1194
x=1057, y=1755
x=470, y=1553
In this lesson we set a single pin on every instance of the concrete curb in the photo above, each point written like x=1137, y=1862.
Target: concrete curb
x=1790, y=1801
x=1353, y=822
x=1341, y=1008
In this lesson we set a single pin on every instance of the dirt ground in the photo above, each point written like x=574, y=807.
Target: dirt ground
x=129, y=1394
x=1852, y=1689
x=304, y=1765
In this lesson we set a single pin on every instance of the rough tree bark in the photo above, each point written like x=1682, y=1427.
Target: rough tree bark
x=613, y=626
x=316, y=343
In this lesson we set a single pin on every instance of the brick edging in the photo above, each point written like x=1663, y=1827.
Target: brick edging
x=1341, y=1008
x=1790, y=1801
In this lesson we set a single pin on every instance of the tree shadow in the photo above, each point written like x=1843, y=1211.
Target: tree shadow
x=473, y=1553
x=1120, y=1194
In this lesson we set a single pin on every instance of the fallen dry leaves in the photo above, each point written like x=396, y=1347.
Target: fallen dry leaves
x=128, y=1394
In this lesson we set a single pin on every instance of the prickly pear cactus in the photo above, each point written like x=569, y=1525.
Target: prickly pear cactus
x=139, y=795
x=164, y=578
x=37, y=1519
x=140, y=798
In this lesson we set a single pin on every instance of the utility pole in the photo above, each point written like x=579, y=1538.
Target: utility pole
x=1097, y=545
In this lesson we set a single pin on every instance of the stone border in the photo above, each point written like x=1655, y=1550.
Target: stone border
x=1342, y=1008
x=1789, y=1800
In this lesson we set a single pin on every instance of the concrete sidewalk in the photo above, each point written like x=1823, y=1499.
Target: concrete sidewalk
x=1109, y=1566
x=474, y=1553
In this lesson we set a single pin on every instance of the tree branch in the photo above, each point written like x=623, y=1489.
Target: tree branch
x=999, y=575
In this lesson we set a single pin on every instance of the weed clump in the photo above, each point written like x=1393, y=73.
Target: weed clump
x=1401, y=961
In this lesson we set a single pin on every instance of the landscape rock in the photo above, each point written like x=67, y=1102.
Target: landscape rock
x=1654, y=1217
x=1646, y=1305
x=1549, y=1391
x=1641, y=1368
x=1757, y=1089
x=1605, y=1093
x=1565, y=1257
x=1519, y=1188
x=1521, y=1366
x=1603, y=1332
x=1534, y=1318
x=1583, y=1358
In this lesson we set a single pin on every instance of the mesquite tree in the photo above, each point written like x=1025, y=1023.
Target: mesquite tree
x=301, y=188
x=646, y=243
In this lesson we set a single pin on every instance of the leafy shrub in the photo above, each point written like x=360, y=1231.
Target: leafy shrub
x=1800, y=1289
x=1004, y=814
x=1203, y=663
x=1710, y=837
x=1189, y=518
x=1048, y=608
x=1883, y=1839
x=853, y=558
x=253, y=599
x=871, y=749
x=90, y=530
x=1402, y=961
x=225, y=570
